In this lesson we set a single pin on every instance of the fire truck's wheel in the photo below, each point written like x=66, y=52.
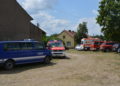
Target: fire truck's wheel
x=85, y=49
x=97, y=49
x=47, y=60
x=107, y=50
x=9, y=65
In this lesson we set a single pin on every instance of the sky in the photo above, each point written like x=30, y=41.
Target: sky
x=54, y=16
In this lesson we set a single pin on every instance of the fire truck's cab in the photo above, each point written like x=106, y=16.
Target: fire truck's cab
x=87, y=42
x=57, y=48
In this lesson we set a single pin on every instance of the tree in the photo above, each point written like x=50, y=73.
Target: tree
x=99, y=36
x=47, y=38
x=82, y=32
x=109, y=19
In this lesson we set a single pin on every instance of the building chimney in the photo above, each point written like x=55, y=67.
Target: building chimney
x=38, y=25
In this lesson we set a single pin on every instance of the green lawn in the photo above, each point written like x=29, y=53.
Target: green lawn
x=110, y=56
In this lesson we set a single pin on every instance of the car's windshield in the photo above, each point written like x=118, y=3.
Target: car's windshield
x=56, y=44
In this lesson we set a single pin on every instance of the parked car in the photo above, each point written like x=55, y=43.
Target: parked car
x=21, y=52
x=115, y=47
x=95, y=45
x=79, y=47
x=106, y=46
x=118, y=50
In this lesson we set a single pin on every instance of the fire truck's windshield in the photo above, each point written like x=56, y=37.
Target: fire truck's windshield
x=56, y=44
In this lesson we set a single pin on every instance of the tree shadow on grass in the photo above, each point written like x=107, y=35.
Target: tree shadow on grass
x=25, y=67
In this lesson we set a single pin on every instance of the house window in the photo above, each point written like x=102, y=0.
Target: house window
x=68, y=44
x=63, y=37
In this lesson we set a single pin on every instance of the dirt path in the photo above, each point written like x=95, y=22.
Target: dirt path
x=78, y=70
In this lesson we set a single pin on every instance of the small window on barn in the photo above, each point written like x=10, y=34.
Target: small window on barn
x=63, y=37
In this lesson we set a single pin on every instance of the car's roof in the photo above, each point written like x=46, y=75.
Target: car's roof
x=17, y=41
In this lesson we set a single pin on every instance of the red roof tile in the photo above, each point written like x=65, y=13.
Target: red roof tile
x=71, y=33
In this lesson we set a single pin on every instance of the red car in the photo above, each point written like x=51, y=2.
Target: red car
x=106, y=46
x=95, y=45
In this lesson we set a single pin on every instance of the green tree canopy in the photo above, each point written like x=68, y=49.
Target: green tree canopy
x=48, y=38
x=82, y=32
x=98, y=36
x=109, y=19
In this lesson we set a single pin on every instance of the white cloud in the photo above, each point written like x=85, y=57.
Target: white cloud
x=95, y=12
x=38, y=4
x=38, y=8
x=93, y=27
x=52, y=24
x=49, y=23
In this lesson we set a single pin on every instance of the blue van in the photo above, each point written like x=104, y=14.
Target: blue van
x=21, y=52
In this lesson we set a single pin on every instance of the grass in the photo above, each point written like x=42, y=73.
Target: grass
x=109, y=61
x=98, y=54
x=112, y=58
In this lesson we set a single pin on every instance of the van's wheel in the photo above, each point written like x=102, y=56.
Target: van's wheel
x=9, y=65
x=47, y=60
x=64, y=57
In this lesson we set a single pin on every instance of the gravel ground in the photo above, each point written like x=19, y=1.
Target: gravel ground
x=79, y=69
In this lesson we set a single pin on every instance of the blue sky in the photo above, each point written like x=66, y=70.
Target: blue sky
x=55, y=16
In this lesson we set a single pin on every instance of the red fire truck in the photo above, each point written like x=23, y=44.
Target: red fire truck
x=87, y=42
x=96, y=45
x=57, y=48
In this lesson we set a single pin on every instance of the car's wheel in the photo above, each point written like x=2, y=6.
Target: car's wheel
x=118, y=50
x=47, y=60
x=9, y=64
